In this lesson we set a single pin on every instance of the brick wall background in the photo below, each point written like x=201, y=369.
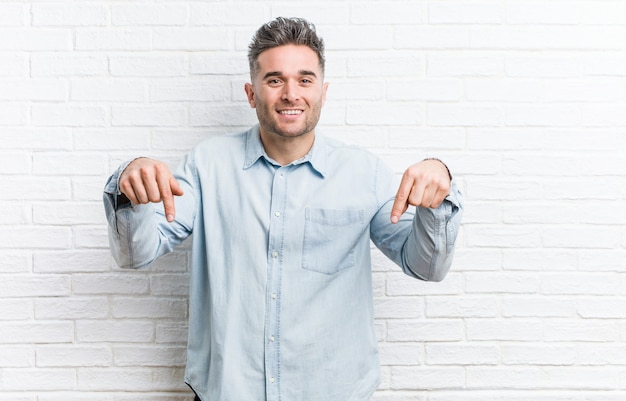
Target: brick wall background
x=525, y=100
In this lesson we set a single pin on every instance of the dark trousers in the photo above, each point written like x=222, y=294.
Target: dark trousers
x=196, y=399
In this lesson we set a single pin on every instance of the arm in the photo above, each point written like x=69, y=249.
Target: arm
x=139, y=231
x=419, y=241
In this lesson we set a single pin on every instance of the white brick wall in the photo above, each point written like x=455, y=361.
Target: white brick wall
x=525, y=100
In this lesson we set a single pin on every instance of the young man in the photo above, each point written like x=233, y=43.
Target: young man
x=281, y=299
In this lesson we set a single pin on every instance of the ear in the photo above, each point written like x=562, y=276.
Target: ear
x=324, y=90
x=249, y=88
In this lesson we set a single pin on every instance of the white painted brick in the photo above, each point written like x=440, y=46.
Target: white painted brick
x=450, y=115
x=67, y=64
x=203, y=90
x=169, y=284
x=525, y=330
x=154, y=307
x=34, y=237
x=35, y=39
x=148, y=65
x=149, y=14
x=91, y=237
x=73, y=356
x=472, y=306
x=30, y=139
x=220, y=115
x=16, y=309
x=150, y=356
x=12, y=15
x=587, y=330
x=453, y=64
x=461, y=354
x=219, y=63
x=425, y=330
x=51, y=163
x=12, y=356
x=323, y=14
x=192, y=39
x=13, y=65
x=36, y=333
x=111, y=138
x=530, y=306
x=35, y=188
x=389, y=13
x=399, y=284
x=19, y=286
x=395, y=354
x=406, y=378
x=108, y=90
x=220, y=14
x=113, y=39
x=40, y=379
x=572, y=283
x=354, y=37
x=431, y=37
x=117, y=283
x=396, y=113
x=524, y=354
x=489, y=12
x=72, y=15
x=15, y=163
x=399, y=308
x=62, y=115
x=130, y=379
x=149, y=116
x=12, y=114
x=522, y=99
x=535, y=12
x=16, y=261
x=507, y=282
x=504, y=237
x=167, y=332
x=71, y=308
x=128, y=331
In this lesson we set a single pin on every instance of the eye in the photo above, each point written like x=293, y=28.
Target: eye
x=306, y=81
x=274, y=82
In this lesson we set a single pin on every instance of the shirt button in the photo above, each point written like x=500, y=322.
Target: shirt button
x=271, y=380
x=277, y=214
x=273, y=296
x=272, y=338
x=275, y=254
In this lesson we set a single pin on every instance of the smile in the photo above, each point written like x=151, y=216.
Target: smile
x=290, y=112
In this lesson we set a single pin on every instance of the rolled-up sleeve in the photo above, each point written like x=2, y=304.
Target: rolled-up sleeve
x=139, y=234
x=422, y=242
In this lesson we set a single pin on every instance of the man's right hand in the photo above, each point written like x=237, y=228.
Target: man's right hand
x=145, y=180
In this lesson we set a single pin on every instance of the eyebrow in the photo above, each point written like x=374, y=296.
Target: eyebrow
x=280, y=74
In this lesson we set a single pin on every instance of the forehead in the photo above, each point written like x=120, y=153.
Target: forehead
x=288, y=59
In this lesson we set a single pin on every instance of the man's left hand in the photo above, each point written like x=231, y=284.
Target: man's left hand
x=424, y=184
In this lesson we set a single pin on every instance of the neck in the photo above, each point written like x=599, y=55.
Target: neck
x=285, y=150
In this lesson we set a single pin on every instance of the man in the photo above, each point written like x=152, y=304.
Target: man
x=280, y=298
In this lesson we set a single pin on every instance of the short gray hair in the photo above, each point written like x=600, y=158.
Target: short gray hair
x=284, y=31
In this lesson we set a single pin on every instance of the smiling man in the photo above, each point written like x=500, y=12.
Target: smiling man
x=282, y=217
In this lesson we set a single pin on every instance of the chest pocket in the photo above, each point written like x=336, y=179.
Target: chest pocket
x=330, y=236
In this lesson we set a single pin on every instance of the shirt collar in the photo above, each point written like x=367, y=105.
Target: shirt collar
x=316, y=158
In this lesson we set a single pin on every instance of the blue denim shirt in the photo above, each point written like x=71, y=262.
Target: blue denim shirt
x=281, y=301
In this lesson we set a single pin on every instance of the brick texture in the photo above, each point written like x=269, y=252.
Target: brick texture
x=524, y=100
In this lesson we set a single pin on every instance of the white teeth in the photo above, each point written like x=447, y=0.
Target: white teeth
x=291, y=112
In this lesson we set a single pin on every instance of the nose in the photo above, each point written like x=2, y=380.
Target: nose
x=290, y=92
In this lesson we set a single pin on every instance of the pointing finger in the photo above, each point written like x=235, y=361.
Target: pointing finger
x=400, y=204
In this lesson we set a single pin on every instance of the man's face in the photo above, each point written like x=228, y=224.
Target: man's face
x=288, y=91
